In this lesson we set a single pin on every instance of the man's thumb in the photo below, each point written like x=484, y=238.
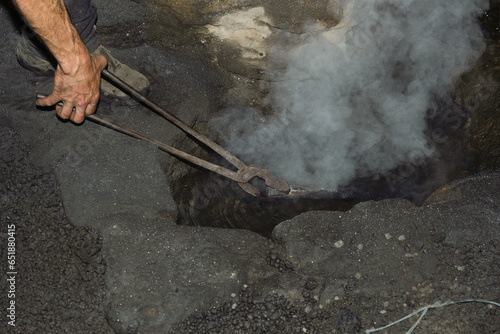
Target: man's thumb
x=45, y=100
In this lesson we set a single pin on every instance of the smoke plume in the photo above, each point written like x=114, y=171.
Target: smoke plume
x=352, y=100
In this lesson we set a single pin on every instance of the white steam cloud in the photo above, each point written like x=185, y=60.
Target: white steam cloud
x=355, y=105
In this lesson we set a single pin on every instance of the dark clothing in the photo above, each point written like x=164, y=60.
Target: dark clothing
x=83, y=15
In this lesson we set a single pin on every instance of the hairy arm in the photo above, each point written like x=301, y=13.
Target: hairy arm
x=78, y=73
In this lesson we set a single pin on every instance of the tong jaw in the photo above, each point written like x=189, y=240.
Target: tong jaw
x=247, y=173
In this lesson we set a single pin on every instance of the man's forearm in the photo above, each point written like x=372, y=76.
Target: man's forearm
x=78, y=74
x=50, y=20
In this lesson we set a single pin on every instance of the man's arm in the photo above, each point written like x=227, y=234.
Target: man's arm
x=78, y=73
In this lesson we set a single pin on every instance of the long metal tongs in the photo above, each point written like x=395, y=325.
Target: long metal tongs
x=243, y=174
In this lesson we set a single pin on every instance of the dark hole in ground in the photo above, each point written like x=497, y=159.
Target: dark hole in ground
x=463, y=127
x=206, y=199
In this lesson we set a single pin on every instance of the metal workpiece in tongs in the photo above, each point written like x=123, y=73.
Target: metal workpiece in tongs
x=244, y=173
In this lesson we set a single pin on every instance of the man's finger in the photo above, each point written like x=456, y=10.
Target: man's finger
x=100, y=61
x=78, y=115
x=48, y=101
x=91, y=107
x=58, y=108
x=65, y=111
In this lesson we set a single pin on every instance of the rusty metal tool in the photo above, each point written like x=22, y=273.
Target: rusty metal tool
x=244, y=173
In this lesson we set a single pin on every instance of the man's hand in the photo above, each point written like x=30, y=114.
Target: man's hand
x=77, y=88
x=78, y=73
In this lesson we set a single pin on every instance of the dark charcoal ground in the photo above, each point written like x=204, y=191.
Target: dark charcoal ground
x=60, y=285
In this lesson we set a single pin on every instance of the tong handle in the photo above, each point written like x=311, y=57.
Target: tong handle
x=169, y=149
x=270, y=180
x=175, y=120
x=243, y=176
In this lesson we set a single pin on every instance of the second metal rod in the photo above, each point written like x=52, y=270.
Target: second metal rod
x=175, y=120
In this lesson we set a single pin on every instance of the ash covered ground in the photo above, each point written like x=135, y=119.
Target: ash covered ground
x=98, y=251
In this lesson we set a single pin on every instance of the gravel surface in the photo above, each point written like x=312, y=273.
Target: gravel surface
x=135, y=271
x=364, y=268
x=59, y=285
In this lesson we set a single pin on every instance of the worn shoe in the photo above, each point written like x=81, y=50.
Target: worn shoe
x=30, y=58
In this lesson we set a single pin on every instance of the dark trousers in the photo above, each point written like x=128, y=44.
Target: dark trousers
x=83, y=14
